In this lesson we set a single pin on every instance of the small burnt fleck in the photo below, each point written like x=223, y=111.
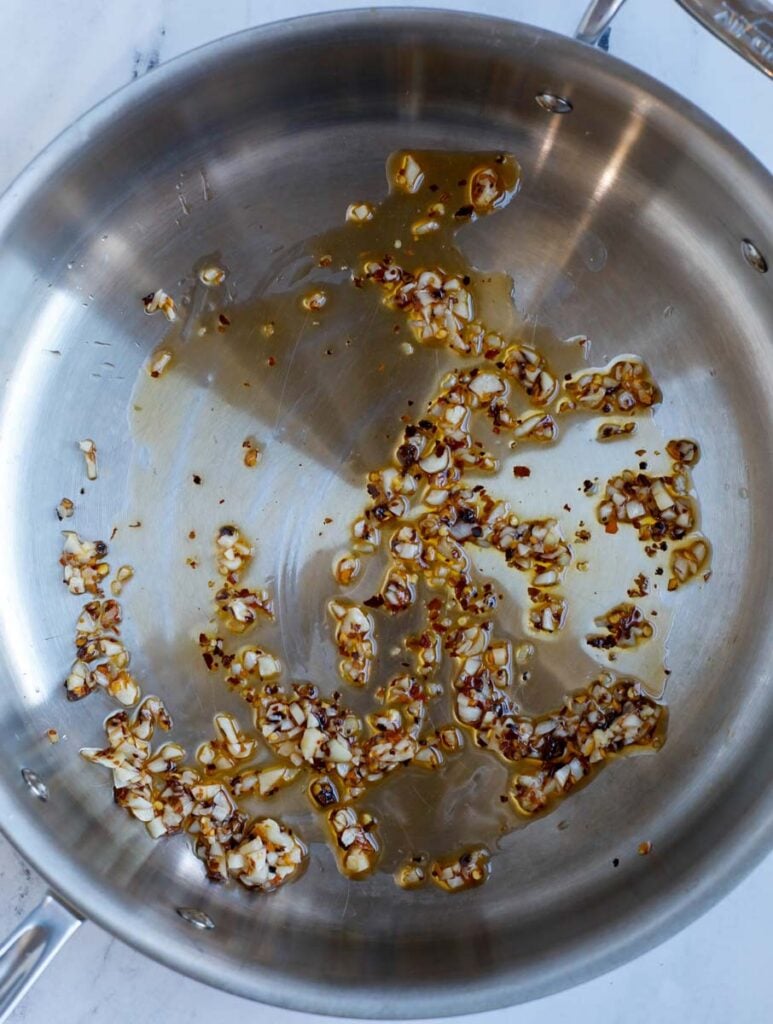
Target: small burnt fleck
x=553, y=748
x=464, y=211
x=407, y=455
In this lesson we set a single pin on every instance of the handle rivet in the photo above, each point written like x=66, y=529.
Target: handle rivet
x=553, y=103
x=197, y=918
x=753, y=256
x=35, y=783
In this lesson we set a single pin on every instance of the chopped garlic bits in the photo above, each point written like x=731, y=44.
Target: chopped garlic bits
x=359, y=213
x=234, y=553
x=159, y=362
x=84, y=570
x=356, y=841
x=607, y=719
x=241, y=607
x=64, y=509
x=229, y=747
x=355, y=640
x=615, y=430
x=252, y=453
x=624, y=625
x=157, y=789
x=684, y=452
x=688, y=561
x=159, y=300
x=657, y=507
x=268, y=855
x=466, y=871
x=212, y=276
x=89, y=450
x=625, y=386
x=409, y=175
x=452, y=670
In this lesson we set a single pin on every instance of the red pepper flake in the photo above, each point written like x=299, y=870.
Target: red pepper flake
x=271, y=361
x=611, y=526
x=521, y=471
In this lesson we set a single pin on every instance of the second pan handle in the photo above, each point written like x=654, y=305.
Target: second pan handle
x=29, y=949
x=746, y=26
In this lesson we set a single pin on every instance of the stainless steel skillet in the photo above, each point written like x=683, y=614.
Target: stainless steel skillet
x=631, y=177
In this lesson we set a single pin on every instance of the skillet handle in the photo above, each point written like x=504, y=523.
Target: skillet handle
x=29, y=949
x=597, y=18
x=746, y=26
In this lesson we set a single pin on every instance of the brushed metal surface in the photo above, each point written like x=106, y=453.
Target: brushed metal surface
x=628, y=228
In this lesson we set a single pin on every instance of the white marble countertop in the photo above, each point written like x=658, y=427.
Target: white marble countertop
x=59, y=57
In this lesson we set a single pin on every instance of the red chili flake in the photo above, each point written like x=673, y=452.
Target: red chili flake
x=611, y=526
x=521, y=471
x=271, y=361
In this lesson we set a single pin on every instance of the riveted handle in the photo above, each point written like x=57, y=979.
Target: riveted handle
x=30, y=948
x=746, y=26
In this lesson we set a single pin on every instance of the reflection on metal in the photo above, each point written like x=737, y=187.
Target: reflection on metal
x=753, y=256
x=35, y=783
x=553, y=104
x=197, y=918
